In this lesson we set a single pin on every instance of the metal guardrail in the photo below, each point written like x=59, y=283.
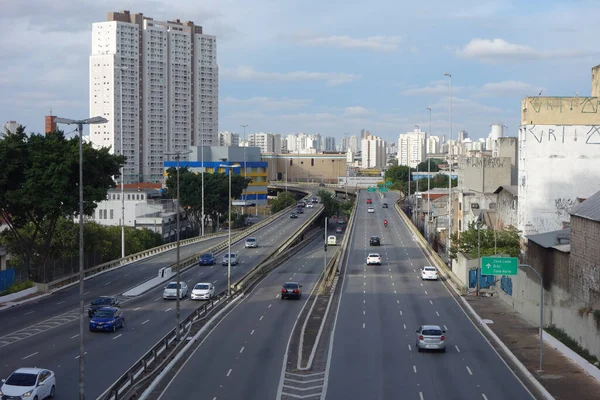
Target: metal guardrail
x=72, y=278
x=118, y=390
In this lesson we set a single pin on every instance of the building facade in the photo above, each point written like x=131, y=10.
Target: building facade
x=157, y=84
x=411, y=148
x=266, y=142
x=228, y=139
x=325, y=168
x=373, y=152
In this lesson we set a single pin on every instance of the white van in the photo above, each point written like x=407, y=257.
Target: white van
x=331, y=240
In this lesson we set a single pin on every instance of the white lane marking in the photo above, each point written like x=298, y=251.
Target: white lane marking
x=414, y=270
x=229, y=372
x=426, y=292
x=404, y=326
x=270, y=305
x=391, y=277
x=242, y=350
x=168, y=309
x=365, y=284
x=135, y=309
x=363, y=325
x=60, y=302
x=484, y=396
x=215, y=398
x=73, y=337
x=364, y=312
x=145, y=322
x=400, y=312
x=86, y=293
x=457, y=349
x=118, y=336
x=225, y=274
x=420, y=396
x=215, y=281
x=395, y=292
x=200, y=273
x=261, y=317
x=125, y=275
x=83, y=354
x=30, y=312
x=252, y=333
x=415, y=368
x=31, y=355
x=469, y=371
x=390, y=269
x=158, y=298
x=421, y=284
x=107, y=283
x=398, y=301
x=438, y=314
x=277, y=296
x=409, y=348
x=393, y=284
x=445, y=328
x=431, y=302
x=364, y=276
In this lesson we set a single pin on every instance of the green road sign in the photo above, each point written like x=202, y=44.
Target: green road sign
x=389, y=183
x=499, y=265
x=383, y=189
x=371, y=189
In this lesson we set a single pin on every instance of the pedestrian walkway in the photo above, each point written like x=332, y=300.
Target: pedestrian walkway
x=561, y=377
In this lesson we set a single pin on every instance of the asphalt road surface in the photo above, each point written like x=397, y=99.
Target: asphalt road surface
x=374, y=354
x=148, y=318
x=242, y=357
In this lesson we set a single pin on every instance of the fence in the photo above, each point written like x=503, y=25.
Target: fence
x=7, y=279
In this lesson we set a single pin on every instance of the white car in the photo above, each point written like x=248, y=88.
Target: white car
x=370, y=210
x=29, y=383
x=203, y=291
x=170, y=291
x=310, y=205
x=373, y=258
x=331, y=240
x=429, y=273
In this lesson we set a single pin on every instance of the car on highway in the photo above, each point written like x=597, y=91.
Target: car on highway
x=28, y=383
x=291, y=290
x=369, y=201
x=384, y=205
x=207, y=259
x=301, y=204
x=314, y=200
x=339, y=229
x=170, y=291
x=331, y=240
x=373, y=259
x=293, y=215
x=203, y=291
x=251, y=242
x=100, y=302
x=310, y=205
x=300, y=210
x=431, y=337
x=370, y=210
x=429, y=273
x=374, y=241
x=107, y=319
x=234, y=259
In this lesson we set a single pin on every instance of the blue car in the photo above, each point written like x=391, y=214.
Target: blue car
x=107, y=319
x=207, y=259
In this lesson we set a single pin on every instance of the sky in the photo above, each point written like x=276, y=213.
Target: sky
x=328, y=67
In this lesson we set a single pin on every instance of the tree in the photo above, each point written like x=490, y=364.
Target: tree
x=216, y=193
x=397, y=173
x=330, y=205
x=283, y=201
x=433, y=167
x=39, y=184
x=507, y=241
x=346, y=207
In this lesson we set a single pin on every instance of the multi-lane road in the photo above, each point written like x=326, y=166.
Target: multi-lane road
x=373, y=353
x=148, y=317
x=243, y=355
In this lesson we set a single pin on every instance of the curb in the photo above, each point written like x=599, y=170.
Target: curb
x=584, y=364
x=18, y=303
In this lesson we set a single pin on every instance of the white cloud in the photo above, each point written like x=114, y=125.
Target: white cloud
x=356, y=111
x=438, y=89
x=376, y=43
x=245, y=73
x=508, y=89
x=266, y=103
x=500, y=50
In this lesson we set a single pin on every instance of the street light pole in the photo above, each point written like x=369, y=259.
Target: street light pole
x=450, y=170
x=178, y=155
x=202, y=173
x=428, y=170
x=541, y=328
x=230, y=172
x=121, y=68
x=80, y=123
x=245, y=145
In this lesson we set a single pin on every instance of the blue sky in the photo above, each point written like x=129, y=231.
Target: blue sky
x=325, y=67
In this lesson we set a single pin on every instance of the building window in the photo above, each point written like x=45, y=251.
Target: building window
x=112, y=214
x=312, y=162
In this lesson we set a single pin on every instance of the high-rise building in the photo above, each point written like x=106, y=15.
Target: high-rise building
x=411, y=148
x=328, y=144
x=164, y=78
x=228, y=139
x=373, y=152
x=267, y=142
x=9, y=126
x=49, y=124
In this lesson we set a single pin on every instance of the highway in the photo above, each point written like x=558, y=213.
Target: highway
x=148, y=318
x=242, y=357
x=373, y=354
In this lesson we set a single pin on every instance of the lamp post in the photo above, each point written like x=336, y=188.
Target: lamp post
x=245, y=145
x=178, y=155
x=450, y=169
x=202, y=179
x=80, y=123
x=428, y=170
x=121, y=68
x=230, y=167
x=541, y=328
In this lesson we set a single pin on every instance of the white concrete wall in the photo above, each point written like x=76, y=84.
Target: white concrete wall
x=461, y=267
x=556, y=165
x=560, y=309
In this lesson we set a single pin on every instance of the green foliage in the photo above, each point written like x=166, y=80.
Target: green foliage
x=216, y=193
x=433, y=167
x=17, y=287
x=507, y=242
x=571, y=343
x=346, y=207
x=397, y=174
x=330, y=205
x=39, y=184
x=283, y=201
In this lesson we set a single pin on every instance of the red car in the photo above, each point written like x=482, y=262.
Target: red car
x=369, y=201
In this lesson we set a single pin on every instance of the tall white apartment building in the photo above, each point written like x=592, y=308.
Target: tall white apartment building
x=164, y=77
x=228, y=139
x=373, y=152
x=303, y=143
x=267, y=142
x=432, y=145
x=411, y=148
x=328, y=143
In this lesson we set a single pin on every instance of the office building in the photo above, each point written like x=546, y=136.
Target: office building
x=267, y=142
x=373, y=153
x=158, y=82
x=411, y=148
x=228, y=139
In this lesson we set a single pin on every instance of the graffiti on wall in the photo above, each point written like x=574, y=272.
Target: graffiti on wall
x=586, y=105
x=563, y=206
x=591, y=134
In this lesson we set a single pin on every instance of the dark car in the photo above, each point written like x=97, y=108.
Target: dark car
x=300, y=210
x=384, y=205
x=374, y=241
x=107, y=319
x=293, y=215
x=291, y=290
x=315, y=200
x=207, y=259
x=101, y=302
x=339, y=229
x=301, y=204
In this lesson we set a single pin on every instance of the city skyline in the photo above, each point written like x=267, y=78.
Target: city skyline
x=328, y=79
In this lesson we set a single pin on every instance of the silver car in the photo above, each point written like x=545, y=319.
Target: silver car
x=431, y=337
x=234, y=259
x=251, y=242
x=170, y=291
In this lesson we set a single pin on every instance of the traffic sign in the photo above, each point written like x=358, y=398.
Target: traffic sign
x=383, y=189
x=389, y=183
x=499, y=265
x=371, y=189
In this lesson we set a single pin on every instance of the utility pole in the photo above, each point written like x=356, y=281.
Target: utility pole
x=450, y=170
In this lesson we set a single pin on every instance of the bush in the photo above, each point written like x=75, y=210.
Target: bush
x=571, y=343
x=17, y=287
